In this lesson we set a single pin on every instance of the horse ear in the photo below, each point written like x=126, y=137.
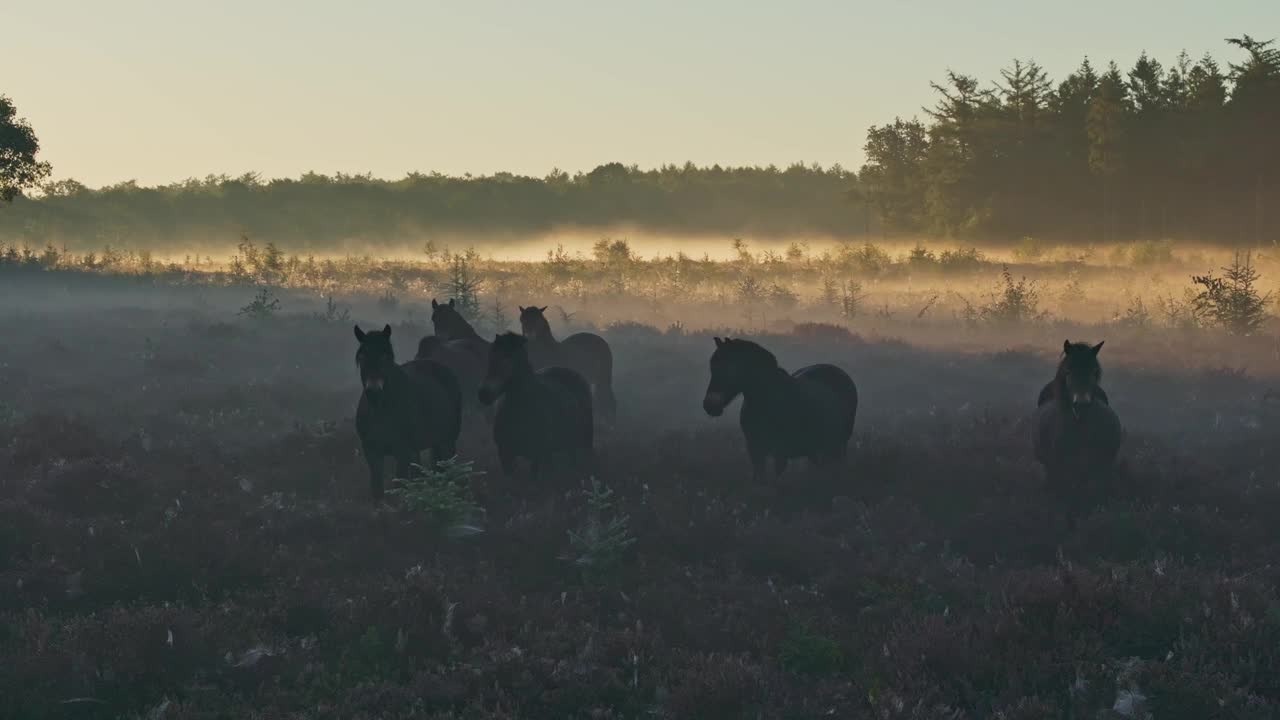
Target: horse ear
x=387, y=330
x=434, y=304
x=451, y=302
x=542, y=309
x=359, y=334
x=1097, y=347
x=1066, y=346
x=719, y=342
x=521, y=308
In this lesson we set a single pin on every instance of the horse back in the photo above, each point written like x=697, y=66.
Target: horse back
x=589, y=354
x=439, y=394
x=587, y=342
x=569, y=383
x=831, y=387
x=459, y=356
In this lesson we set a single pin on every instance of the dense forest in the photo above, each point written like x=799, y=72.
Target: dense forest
x=316, y=212
x=1187, y=150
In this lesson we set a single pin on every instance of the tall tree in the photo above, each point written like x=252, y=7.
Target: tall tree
x=1106, y=137
x=1255, y=104
x=893, y=176
x=19, y=168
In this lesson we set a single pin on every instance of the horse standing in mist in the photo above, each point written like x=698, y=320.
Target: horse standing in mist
x=457, y=346
x=1076, y=435
x=539, y=413
x=808, y=413
x=403, y=409
x=584, y=352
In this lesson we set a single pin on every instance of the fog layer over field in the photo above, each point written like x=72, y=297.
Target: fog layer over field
x=186, y=526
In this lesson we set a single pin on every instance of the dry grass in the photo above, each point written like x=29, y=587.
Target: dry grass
x=184, y=531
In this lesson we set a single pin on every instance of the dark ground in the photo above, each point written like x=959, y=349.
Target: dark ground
x=185, y=533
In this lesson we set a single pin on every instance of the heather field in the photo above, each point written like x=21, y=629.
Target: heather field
x=185, y=528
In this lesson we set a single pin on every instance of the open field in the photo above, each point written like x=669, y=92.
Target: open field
x=185, y=530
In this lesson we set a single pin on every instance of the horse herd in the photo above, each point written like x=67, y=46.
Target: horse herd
x=540, y=396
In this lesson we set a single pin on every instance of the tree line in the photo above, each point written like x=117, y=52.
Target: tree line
x=1187, y=150
x=318, y=212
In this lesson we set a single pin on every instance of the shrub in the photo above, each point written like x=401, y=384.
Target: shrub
x=443, y=495
x=922, y=258
x=1136, y=315
x=264, y=305
x=1233, y=301
x=1015, y=302
x=1029, y=249
x=333, y=312
x=605, y=537
x=868, y=259
x=961, y=260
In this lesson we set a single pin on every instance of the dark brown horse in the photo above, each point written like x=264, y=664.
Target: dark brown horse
x=457, y=346
x=403, y=409
x=585, y=352
x=808, y=413
x=1077, y=435
x=540, y=413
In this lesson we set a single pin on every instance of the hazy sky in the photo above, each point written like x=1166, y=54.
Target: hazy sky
x=160, y=91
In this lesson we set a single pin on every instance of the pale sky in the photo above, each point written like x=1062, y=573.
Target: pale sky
x=161, y=91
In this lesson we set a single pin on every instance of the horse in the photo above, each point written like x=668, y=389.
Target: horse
x=539, y=412
x=1076, y=435
x=451, y=327
x=808, y=413
x=457, y=346
x=403, y=408
x=584, y=352
x=461, y=362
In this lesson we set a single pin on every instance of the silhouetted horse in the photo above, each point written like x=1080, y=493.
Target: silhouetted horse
x=403, y=409
x=1077, y=435
x=540, y=413
x=808, y=413
x=453, y=328
x=585, y=352
x=457, y=346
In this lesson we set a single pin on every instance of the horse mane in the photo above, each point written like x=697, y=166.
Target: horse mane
x=535, y=311
x=461, y=322
x=1079, y=350
x=752, y=351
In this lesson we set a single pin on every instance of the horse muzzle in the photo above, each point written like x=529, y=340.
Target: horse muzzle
x=373, y=385
x=713, y=404
x=1080, y=401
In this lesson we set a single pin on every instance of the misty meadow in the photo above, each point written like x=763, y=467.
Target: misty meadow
x=189, y=527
